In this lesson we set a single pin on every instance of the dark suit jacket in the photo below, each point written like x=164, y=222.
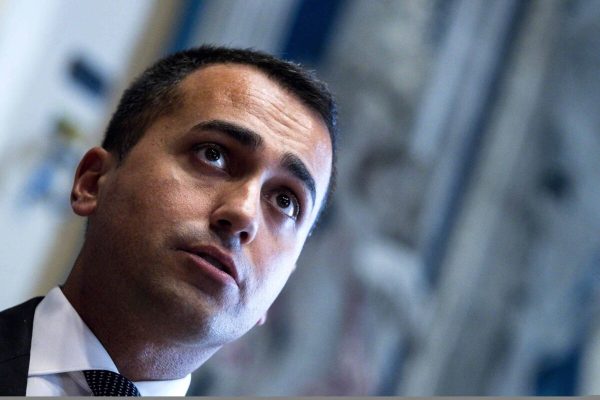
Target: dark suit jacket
x=16, y=325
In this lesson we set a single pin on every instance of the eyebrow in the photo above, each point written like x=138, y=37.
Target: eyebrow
x=296, y=167
x=244, y=136
x=248, y=138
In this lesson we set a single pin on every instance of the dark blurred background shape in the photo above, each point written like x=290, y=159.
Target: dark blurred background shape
x=461, y=255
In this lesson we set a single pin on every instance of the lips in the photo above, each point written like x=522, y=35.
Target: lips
x=215, y=257
x=214, y=262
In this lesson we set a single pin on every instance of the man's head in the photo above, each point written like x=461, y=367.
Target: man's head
x=155, y=93
x=214, y=169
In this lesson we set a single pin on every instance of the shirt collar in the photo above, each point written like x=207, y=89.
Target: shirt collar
x=62, y=342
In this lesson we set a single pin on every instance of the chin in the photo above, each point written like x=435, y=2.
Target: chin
x=190, y=315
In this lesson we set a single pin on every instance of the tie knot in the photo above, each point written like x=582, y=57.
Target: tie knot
x=108, y=383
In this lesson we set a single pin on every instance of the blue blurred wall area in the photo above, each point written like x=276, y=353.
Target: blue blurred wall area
x=183, y=33
x=84, y=74
x=559, y=377
x=304, y=38
x=494, y=59
x=311, y=30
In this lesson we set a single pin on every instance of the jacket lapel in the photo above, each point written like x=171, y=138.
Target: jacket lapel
x=16, y=325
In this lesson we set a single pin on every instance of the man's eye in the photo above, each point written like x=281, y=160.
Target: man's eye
x=211, y=154
x=287, y=203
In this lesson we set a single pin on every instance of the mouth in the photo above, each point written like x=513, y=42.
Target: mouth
x=218, y=264
x=216, y=258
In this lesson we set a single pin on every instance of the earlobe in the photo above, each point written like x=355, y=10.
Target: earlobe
x=84, y=195
x=262, y=320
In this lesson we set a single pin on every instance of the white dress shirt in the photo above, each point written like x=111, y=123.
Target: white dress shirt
x=62, y=346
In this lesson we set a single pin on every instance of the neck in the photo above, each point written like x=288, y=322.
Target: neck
x=141, y=347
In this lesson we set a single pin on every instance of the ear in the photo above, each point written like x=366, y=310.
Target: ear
x=262, y=319
x=84, y=195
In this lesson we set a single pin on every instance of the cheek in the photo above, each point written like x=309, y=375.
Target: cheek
x=277, y=261
x=171, y=195
x=149, y=207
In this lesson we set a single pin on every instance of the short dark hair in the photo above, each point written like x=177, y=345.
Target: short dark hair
x=155, y=93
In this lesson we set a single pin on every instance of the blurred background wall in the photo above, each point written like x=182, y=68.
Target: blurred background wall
x=462, y=252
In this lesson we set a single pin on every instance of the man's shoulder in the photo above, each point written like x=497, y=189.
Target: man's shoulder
x=16, y=325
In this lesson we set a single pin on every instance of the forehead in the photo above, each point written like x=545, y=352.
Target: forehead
x=224, y=87
x=244, y=95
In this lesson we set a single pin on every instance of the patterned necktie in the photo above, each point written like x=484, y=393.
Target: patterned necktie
x=108, y=383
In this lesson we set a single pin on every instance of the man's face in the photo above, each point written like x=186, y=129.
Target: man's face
x=206, y=216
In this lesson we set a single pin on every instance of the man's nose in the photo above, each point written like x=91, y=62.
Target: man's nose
x=236, y=216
